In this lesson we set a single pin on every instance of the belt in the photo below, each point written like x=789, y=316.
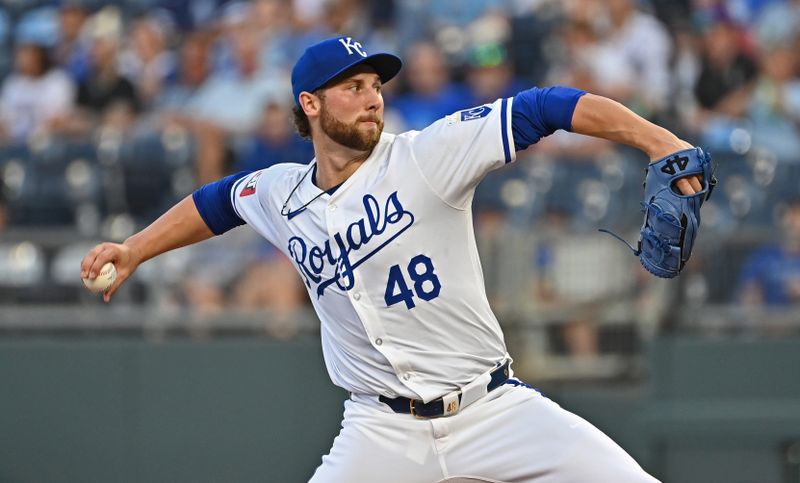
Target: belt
x=437, y=407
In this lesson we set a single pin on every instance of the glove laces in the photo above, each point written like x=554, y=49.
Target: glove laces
x=636, y=251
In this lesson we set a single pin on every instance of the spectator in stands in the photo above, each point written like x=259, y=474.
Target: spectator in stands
x=579, y=42
x=3, y=207
x=72, y=49
x=233, y=99
x=346, y=16
x=229, y=103
x=36, y=97
x=175, y=104
x=745, y=13
x=180, y=103
x=210, y=272
x=490, y=74
x=194, y=67
x=105, y=96
x=192, y=15
x=724, y=85
x=275, y=141
x=287, y=26
x=146, y=61
x=771, y=275
x=727, y=71
x=431, y=94
x=253, y=275
x=774, y=107
x=562, y=279
x=235, y=22
x=632, y=61
x=275, y=19
x=293, y=25
x=779, y=20
x=417, y=20
x=233, y=96
x=269, y=282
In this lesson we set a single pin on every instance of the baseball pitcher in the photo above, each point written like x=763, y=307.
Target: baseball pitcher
x=379, y=227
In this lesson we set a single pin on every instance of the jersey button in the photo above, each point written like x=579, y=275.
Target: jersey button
x=357, y=296
x=332, y=207
x=378, y=341
x=406, y=376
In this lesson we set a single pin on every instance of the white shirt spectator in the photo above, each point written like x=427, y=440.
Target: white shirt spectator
x=637, y=56
x=235, y=104
x=28, y=103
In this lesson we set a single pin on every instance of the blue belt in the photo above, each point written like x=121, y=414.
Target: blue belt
x=435, y=408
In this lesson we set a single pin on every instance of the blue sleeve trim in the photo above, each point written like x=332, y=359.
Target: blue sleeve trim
x=215, y=205
x=504, y=129
x=537, y=113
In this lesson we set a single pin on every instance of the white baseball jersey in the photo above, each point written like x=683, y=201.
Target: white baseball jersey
x=391, y=265
x=390, y=259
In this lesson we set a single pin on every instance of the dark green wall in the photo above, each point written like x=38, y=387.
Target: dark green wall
x=109, y=410
x=724, y=409
x=713, y=410
x=241, y=409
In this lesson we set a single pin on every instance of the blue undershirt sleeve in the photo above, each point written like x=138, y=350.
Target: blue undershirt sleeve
x=213, y=201
x=536, y=113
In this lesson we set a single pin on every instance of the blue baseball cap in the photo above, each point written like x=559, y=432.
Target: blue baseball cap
x=325, y=60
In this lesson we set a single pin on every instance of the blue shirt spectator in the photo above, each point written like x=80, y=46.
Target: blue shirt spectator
x=771, y=276
x=72, y=51
x=193, y=71
x=275, y=142
x=490, y=75
x=431, y=94
x=263, y=153
x=232, y=100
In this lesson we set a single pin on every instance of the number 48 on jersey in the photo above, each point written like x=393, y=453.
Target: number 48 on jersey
x=425, y=283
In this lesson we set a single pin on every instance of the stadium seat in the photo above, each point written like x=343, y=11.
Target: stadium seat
x=147, y=178
x=22, y=264
x=42, y=200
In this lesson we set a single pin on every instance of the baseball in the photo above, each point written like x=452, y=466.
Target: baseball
x=103, y=280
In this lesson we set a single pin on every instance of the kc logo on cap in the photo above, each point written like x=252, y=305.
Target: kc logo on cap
x=324, y=61
x=349, y=44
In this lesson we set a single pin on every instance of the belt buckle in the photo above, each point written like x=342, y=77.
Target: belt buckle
x=413, y=410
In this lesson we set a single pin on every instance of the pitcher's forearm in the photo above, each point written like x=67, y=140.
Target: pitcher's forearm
x=605, y=118
x=180, y=226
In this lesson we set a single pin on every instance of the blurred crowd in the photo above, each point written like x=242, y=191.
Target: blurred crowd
x=109, y=113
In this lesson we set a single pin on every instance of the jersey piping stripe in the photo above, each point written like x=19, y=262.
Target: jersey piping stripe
x=504, y=129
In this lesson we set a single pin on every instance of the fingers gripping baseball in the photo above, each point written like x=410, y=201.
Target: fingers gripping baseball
x=118, y=254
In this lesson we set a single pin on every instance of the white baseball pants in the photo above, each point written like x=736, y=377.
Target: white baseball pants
x=514, y=434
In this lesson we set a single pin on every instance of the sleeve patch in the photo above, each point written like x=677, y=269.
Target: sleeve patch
x=469, y=114
x=475, y=113
x=250, y=187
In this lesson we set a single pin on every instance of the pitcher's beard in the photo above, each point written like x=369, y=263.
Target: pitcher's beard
x=348, y=134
